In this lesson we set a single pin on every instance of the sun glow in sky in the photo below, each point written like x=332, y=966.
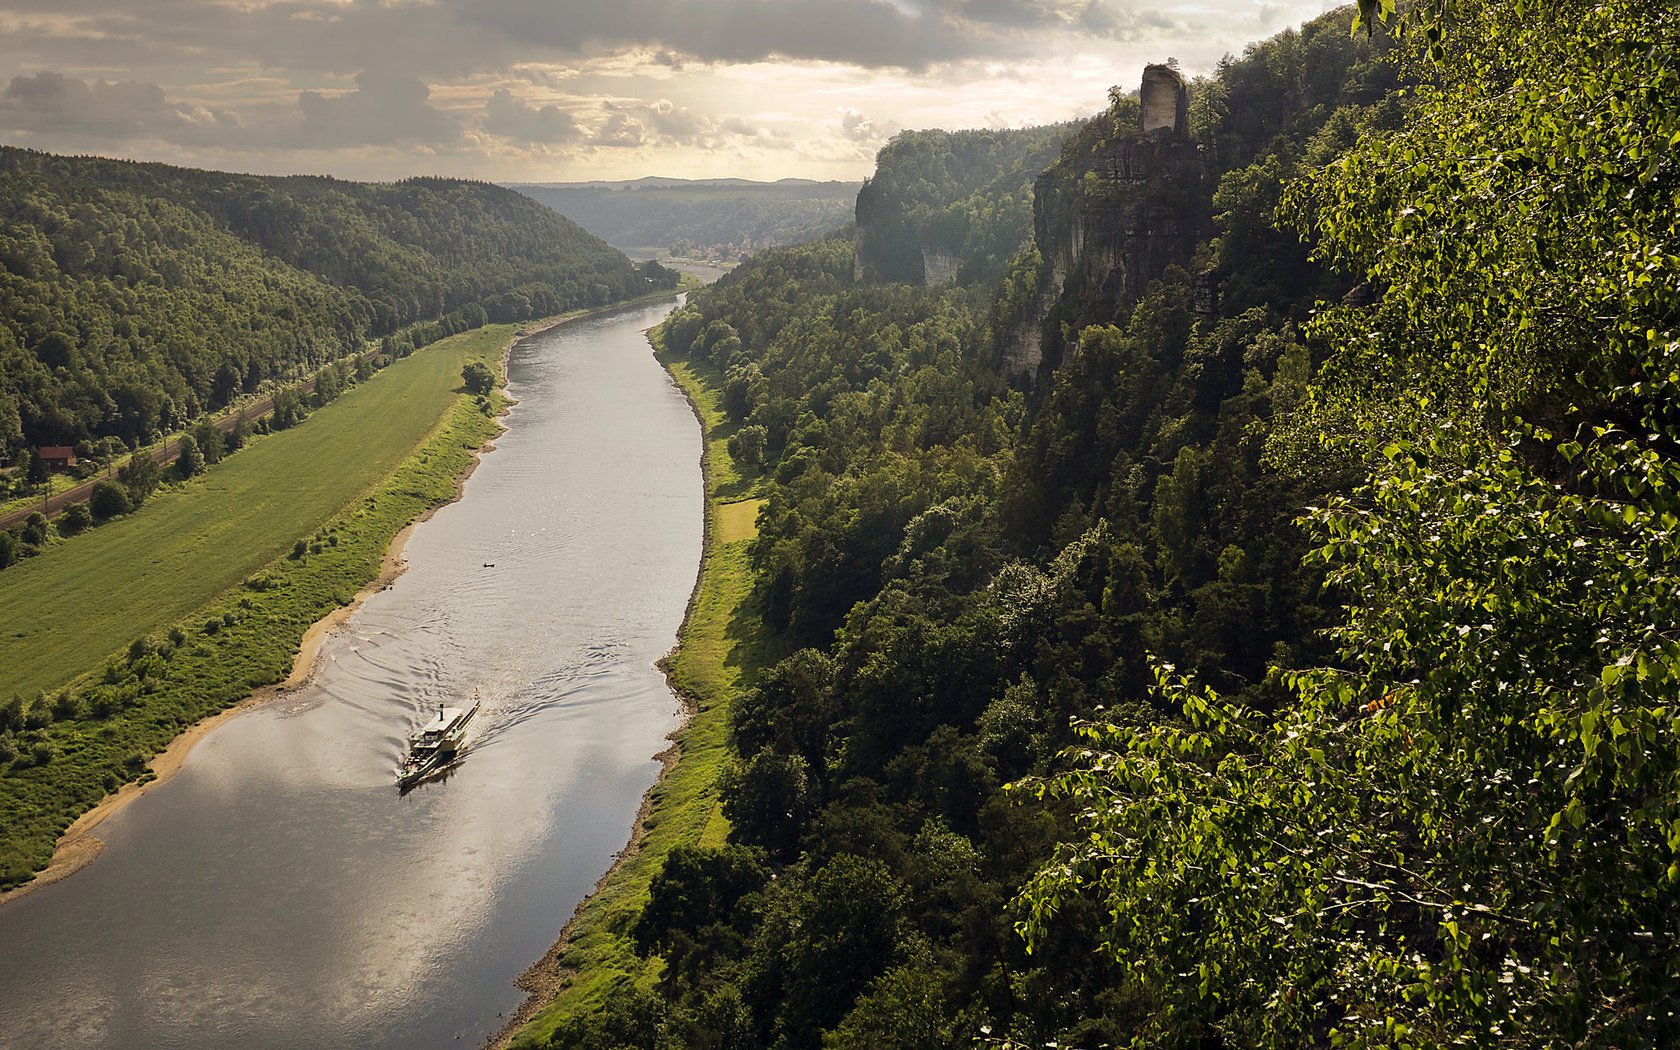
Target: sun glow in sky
x=558, y=90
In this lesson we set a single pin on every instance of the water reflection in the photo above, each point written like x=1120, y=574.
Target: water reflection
x=279, y=891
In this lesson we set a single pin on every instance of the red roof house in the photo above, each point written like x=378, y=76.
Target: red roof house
x=60, y=456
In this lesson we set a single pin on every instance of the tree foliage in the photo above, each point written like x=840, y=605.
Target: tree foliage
x=1465, y=834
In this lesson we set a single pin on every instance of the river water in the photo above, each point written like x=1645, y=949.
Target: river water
x=278, y=892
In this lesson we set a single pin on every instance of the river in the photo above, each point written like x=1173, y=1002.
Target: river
x=278, y=892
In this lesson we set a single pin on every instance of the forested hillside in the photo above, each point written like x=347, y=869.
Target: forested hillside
x=950, y=205
x=134, y=297
x=1316, y=598
x=680, y=216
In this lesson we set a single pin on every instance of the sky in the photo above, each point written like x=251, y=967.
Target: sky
x=562, y=90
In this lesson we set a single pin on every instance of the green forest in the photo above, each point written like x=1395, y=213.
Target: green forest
x=136, y=297
x=1232, y=603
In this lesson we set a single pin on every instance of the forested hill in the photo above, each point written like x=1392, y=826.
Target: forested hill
x=136, y=296
x=946, y=206
x=1317, y=598
x=721, y=217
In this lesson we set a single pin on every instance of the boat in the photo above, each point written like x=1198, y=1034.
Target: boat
x=434, y=744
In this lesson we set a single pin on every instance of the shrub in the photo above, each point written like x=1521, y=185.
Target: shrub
x=66, y=706
x=76, y=518
x=34, y=530
x=108, y=500
x=478, y=377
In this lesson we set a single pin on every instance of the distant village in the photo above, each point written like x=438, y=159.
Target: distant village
x=728, y=254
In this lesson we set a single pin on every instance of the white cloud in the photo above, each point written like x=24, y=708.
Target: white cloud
x=511, y=117
x=53, y=104
x=620, y=132
x=857, y=127
x=384, y=108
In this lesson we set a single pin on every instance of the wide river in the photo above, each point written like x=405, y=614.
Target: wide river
x=278, y=892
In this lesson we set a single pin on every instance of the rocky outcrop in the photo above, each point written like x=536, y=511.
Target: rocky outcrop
x=1023, y=351
x=1124, y=214
x=939, y=266
x=1165, y=101
x=1115, y=218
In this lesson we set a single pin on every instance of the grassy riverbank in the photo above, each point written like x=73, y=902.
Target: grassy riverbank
x=214, y=587
x=720, y=650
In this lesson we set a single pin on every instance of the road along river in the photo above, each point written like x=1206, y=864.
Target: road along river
x=279, y=892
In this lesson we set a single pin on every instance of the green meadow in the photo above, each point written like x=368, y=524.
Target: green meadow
x=66, y=610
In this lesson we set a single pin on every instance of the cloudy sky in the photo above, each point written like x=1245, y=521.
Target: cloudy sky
x=551, y=90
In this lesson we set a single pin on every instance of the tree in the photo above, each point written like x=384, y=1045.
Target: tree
x=210, y=442
x=35, y=529
x=747, y=445
x=76, y=518
x=37, y=473
x=108, y=500
x=190, y=461
x=139, y=476
x=478, y=378
x=236, y=438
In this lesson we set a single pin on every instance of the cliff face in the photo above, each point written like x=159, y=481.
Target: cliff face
x=1115, y=217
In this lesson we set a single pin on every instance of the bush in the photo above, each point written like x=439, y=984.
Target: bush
x=34, y=530
x=66, y=706
x=478, y=377
x=108, y=500
x=76, y=518
x=747, y=445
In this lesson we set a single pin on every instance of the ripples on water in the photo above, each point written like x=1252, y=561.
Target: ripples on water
x=279, y=892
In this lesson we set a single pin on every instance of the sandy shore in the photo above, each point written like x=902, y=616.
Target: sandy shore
x=78, y=847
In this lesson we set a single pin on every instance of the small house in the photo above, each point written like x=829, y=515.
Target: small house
x=58, y=457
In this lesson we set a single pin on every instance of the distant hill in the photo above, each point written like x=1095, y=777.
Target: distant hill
x=700, y=216
x=135, y=296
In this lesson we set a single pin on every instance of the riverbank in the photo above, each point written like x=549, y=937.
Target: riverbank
x=267, y=629
x=721, y=649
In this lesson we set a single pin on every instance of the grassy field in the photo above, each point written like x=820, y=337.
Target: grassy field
x=721, y=648
x=66, y=610
x=184, y=608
